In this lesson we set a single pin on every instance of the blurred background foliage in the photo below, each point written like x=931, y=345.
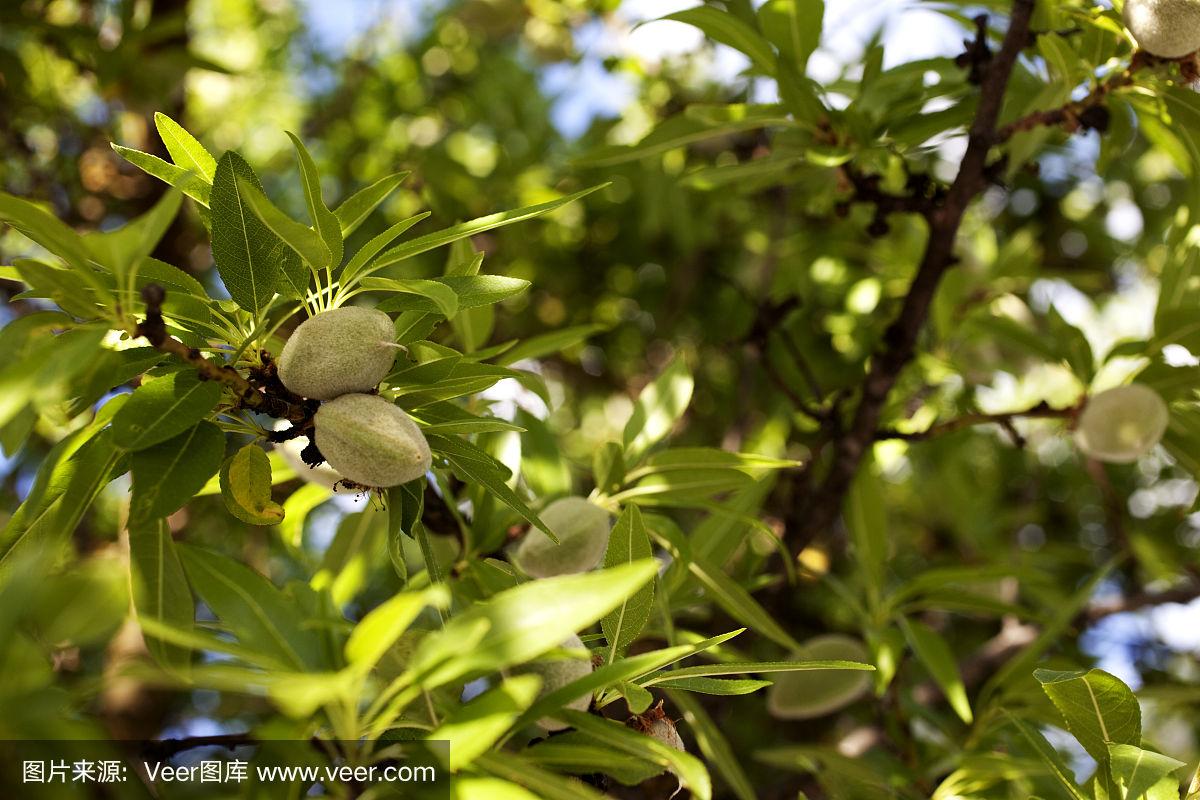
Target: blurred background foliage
x=498, y=103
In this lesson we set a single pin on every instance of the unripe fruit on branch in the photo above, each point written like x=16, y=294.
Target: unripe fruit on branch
x=370, y=441
x=1165, y=28
x=557, y=674
x=337, y=352
x=582, y=529
x=1121, y=425
x=814, y=693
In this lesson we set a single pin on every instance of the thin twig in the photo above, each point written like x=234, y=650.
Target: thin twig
x=1087, y=112
x=1041, y=411
x=267, y=401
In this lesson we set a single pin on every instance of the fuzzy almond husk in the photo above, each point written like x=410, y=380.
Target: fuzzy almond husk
x=338, y=352
x=1165, y=28
x=370, y=441
x=582, y=529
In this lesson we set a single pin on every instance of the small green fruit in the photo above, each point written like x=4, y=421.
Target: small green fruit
x=1123, y=424
x=556, y=674
x=1165, y=28
x=370, y=441
x=582, y=529
x=321, y=475
x=809, y=694
x=337, y=352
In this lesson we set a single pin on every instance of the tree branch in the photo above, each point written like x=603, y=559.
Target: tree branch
x=818, y=509
x=1041, y=411
x=1088, y=112
x=273, y=402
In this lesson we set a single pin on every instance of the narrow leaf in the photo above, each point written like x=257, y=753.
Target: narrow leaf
x=161, y=587
x=938, y=658
x=358, y=206
x=184, y=149
x=627, y=543
x=453, y=234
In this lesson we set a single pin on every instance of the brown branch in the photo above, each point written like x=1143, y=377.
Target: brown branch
x=818, y=509
x=923, y=198
x=1041, y=411
x=272, y=403
x=1089, y=112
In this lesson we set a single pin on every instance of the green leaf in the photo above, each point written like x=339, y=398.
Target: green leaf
x=375, y=634
x=124, y=249
x=41, y=369
x=723, y=27
x=246, y=487
x=475, y=465
x=544, y=784
x=659, y=406
x=163, y=408
x=691, y=773
x=1098, y=708
x=442, y=298
x=185, y=180
x=867, y=522
x=579, y=754
x=627, y=543
x=249, y=257
x=347, y=563
x=751, y=667
x=61, y=470
x=168, y=474
x=473, y=728
x=477, y=788
x=161, y=587
x=59, y=285
x=685, y=129
x=637, y=699
x=522, y=623
x=938, y=658
x=296, y=509
x=453, y=234
x=617, y=672
x=262, y=617
x=358, y=206
x=608, y=467
x=549, y=343
x=61, y=496
x=185, y=151
x=1049, y=757
x=51, y=233
x=1136, y=770
x=716, y=686
x=713, y=745
x=324, y=221
x=360, y=260
x=405, y=504
x=794, y=27
x=724, y=590
x=303, y=241
x=470, y=291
